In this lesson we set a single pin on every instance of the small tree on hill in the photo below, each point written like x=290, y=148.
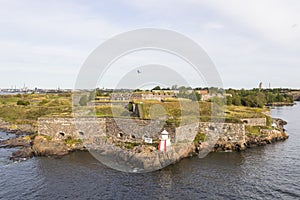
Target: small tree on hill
x=83, y=100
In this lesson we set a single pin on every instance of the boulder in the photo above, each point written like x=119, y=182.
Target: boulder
x=15, y=142
x=22, y=153
x=44, y=147
x=188, y=151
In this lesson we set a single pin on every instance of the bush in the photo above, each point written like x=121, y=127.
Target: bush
x=200, y=137
x=23, y=103
x=71, y=141
x=43, y=102
x=83, y=100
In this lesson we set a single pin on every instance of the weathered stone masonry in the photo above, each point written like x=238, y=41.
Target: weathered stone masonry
x=61, y=128
x=255, y=121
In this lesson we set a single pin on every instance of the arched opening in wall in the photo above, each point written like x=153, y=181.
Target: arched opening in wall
x=132, y=136
x=81, y=133
x=120, y=134
x=62, y=133
x=245, y=121
x=211, y=128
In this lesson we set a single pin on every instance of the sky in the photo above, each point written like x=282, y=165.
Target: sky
x=44, y=43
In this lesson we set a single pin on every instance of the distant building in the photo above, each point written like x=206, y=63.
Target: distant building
x=260, y=85
x=120, y=96
x=102, y=98
x=154, y=95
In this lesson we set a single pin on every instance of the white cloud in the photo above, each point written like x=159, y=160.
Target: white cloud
x=240, y=36
x=270, y=19
x=47, y=38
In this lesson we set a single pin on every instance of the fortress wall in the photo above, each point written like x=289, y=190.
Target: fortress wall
x=62, y=128
x=255, y=121
x=226, y=131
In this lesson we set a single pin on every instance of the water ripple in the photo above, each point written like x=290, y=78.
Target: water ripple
x=268, y=172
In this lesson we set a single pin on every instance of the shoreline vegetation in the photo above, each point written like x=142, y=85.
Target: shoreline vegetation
x=20, y=112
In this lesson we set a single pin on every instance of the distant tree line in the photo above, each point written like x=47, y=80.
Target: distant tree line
x=241, y=97
x=256, y=97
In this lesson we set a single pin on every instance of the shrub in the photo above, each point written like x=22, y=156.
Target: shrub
x=23, y=103
x=71, y=141
x=43, y=102
x=200, y=137
x=83, y=100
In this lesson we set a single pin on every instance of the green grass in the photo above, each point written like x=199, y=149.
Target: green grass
x=127, y=145
x=41, y=105
x=244, y=112
x=111, y=111
x=71, y=141
x=47, y=137
x=255, y=130
x=200, y=137
x=176, y=111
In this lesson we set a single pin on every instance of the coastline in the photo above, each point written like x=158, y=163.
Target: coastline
x=17, y=129
x=30, y=144
x=278, y=104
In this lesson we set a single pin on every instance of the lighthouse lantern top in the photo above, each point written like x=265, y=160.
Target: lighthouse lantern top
x=165, y=132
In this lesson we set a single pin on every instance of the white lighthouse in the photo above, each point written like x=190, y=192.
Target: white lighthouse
x=164, y=141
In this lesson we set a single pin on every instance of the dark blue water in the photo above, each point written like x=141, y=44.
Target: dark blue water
x=268, y=172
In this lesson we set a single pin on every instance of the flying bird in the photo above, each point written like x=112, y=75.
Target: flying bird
x=294, y=25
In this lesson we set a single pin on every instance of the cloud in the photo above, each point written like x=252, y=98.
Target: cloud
x=46, y=38
x=240, y=36
x=269, y=19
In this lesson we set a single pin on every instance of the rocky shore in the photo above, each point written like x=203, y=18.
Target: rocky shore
x=263, y=137
x=18, y=129
x=31, y=144
x=38, y=145
x=279, y=104
x=266, y=137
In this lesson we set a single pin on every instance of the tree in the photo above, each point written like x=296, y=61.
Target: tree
x=156, y=88
x=182, y=90
x=92, y=96
x=174, y=87
x=217, y=100
x=236, y=100
x=279, y=98
x=193, y=96
x=83, y=100
x=229, y=100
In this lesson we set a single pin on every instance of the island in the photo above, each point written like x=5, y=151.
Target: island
x=196, y=121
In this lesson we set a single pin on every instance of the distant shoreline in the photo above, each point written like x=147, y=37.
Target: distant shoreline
x=278, y=104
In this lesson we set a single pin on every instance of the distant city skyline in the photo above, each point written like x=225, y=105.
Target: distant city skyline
x=44, y=43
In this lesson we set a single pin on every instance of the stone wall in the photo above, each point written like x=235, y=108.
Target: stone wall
x=133, y=128
x=255, y=121
x=62, y=128
x=226, y=131
x=186, y=133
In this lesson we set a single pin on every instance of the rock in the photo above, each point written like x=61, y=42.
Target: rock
x=228, y=146
x=18, y=129
x=44, y=147
x=280, y=123
x=188, y=151
x=22, y=153
x=240, y=146
x=15, y=142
